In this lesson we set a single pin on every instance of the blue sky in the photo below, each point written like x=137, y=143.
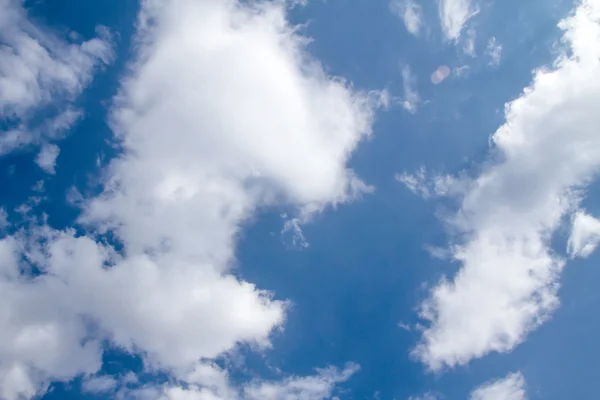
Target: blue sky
x=283, y=200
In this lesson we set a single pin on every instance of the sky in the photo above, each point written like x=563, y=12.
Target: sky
x=299, y=199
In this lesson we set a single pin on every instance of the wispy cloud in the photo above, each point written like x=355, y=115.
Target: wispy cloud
x=454, y=15
x=3, y=218
x=426, y=396
x=417, y=183
x=429, y=185
x=411, y=95
x=38, y=69
x=512, y=387
x=210, y=382
x=99, y=384
x=494, y=51
x=469, y=43
x=410, y=12
x=461, y=71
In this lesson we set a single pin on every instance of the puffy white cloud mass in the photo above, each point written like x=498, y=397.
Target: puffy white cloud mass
x=38, y=69
x=512, y=387
x=222, y=113
x=545, y=154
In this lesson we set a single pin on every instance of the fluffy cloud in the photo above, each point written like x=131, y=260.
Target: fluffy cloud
x=39, y=69
x=223, y=113
x=38, y=337
x=454, y=15
x=411, y=14
x=545, y=153
x=511, y=387
x=585, y=235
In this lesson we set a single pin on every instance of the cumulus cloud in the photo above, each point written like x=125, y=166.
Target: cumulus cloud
x=410, y=12
x=39, y=339
x=454, y=15
x=221, y=114
x=545, y=154
x=38, y=70
x=585, y=235
x=512, y=387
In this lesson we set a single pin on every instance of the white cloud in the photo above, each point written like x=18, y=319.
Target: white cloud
x=454, y=14
x=99, y=384
x=417, y=183
x=405, y=327
x=410, y=12
x=37, y=68
x=39, y=338
x=494, y=51
x=512, y=387
x=545, y=153
x=429, y=185
x=441, y=253
x=411, y=96
x=223, y=113
x=292, y=234
x=214, y=385
x=585, y=235
x=52, y=128
x=316, y=387
x=46, y=158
